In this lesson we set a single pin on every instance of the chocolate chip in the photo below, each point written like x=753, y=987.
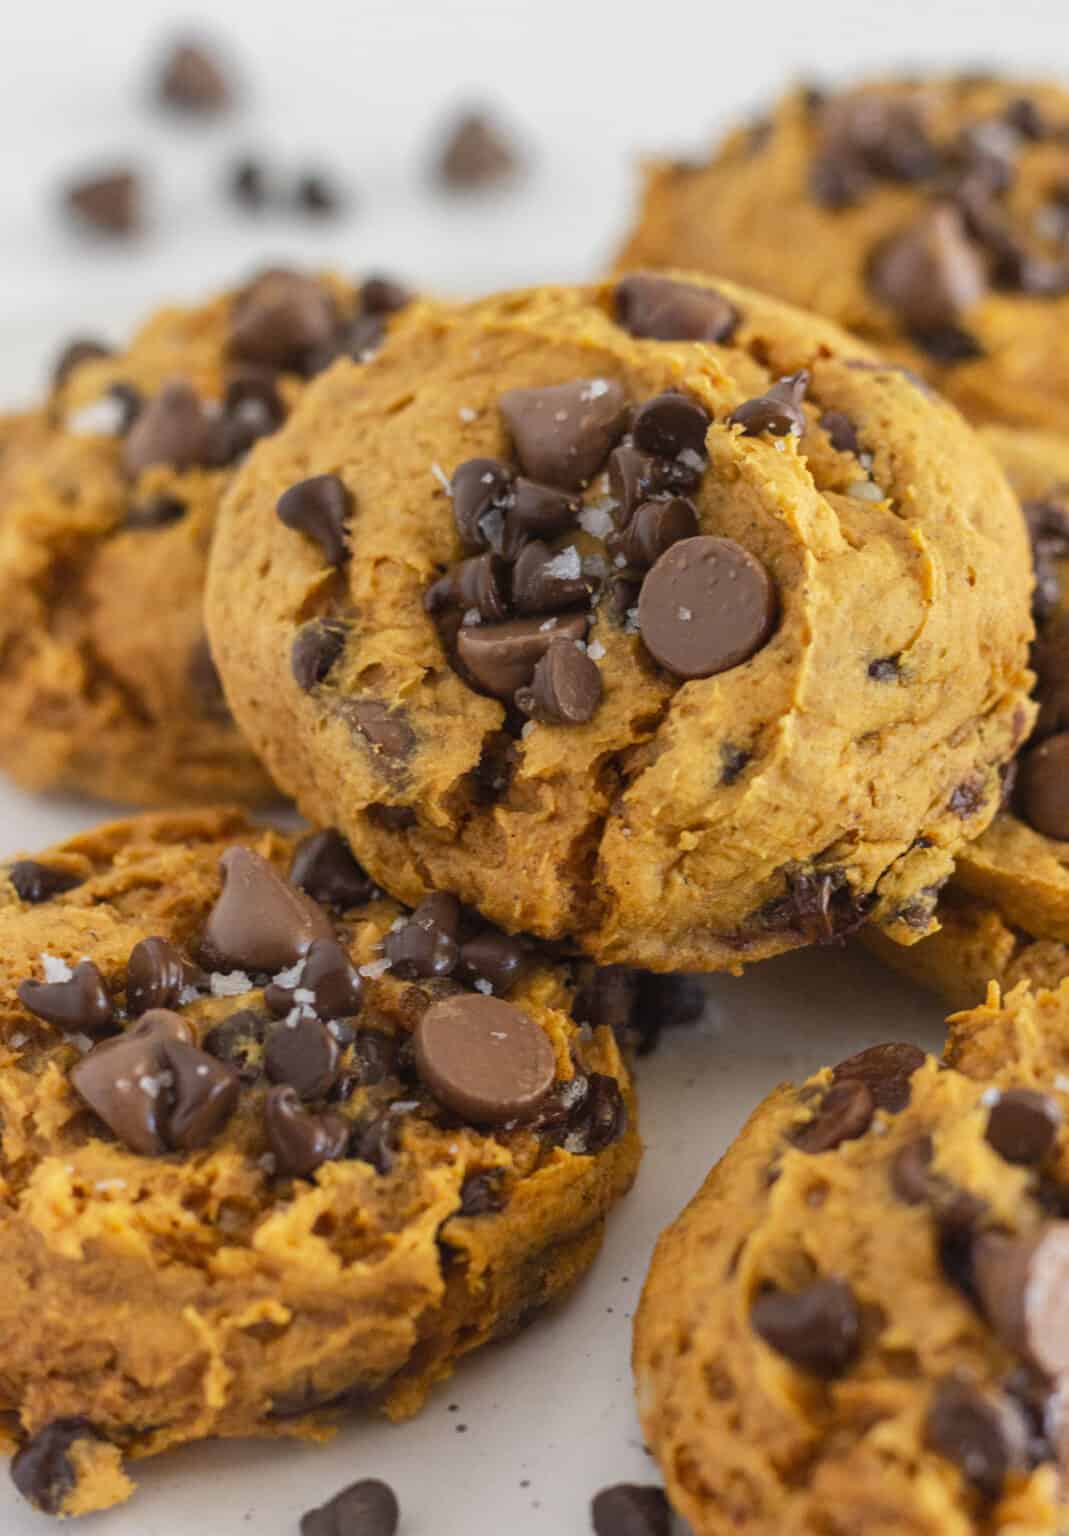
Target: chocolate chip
x=817, y=1329
x=598, y=1119
x=205, y=683
x=478, y=584
x=982, y=1432
x=671, y=424
x=733, y=761
x=548, y=582
x=374, y=1058
x=565, y=688
x=374, y=1141
x=238, y=1040
x=885, y=1070
x=34, y=882
x=1023, y=1286
x=382, y=295
x=366, y=1508
x=837, y=180
x=845, y=1113
x=1048, y=528
x=155, y=512
x=1026, y=118
x=501, y=658
x=252, y=408
x=631, y=1509
x=665, y=1002
x=121, y=1080
x=193, y=80
x=247, y=183
x=386, y=731
x=1023, y=1125
x=778, y=411
x=541, y=510
x=885, y=669
x=316, y=647
x=949, y=344
x=496, y=958
x=841, y=430
x=484, y=1059
x=654, y=527
x=967, y=797
x=109, y=203
x=1043, y=787
x=706, y=606
x=481, y=1194
x=481, y=490
x=329, y=984
x=316, y=194
x=301, y=1141
x=305, y=1056
x=258, y=922
x=1050, y=658
x=477, y=153
x=427, y=943
x=80, y=1005
x=280, y=320
x=324, y=867
x=320, y=507
x=83, y=349
x=562, y=434
x=42, y=1470
x=201, y=1096
x=929, y=274
x=174, y=428
x=819, y=904
x=157, y=975
x=915, y=1183
x=664, y=309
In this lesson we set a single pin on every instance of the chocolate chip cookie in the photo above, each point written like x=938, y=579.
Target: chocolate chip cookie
x=860, y=1323
x=642, y=614
x=108, y=496
x=931, y=217
x=273, y=1146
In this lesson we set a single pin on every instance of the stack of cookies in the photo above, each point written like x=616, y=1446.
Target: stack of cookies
x=600, y=634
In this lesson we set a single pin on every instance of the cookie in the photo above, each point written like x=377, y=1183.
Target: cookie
x=628, y=614
x=274, y=1147
x=108, y=497
x=1004, y=916
x=859, y=1323
x=930, y=217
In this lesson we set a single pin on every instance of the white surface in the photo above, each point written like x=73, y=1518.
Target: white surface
x=360, y=87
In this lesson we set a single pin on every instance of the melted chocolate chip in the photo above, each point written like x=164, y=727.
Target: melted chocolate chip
x=819, y=904
x=324, y=867
x=481, y=1194
x=316, y=647
x=706, y=606
x=300, y=1140
x=816, y=1329
x=481, y=490
x=484, y=1059
x=885, y=669
x=238, y=1041
x=845, y=1113
x=259, y=922
x=386, y=731
x=885, y=1070
x=157, y=975
x=654, y=527
x=34, y=882
x=664, y=309
x=631, y=1509
x=562, y=434
x=80, y=1005
x=565, y=688
x=321, y=508
x=427, y=943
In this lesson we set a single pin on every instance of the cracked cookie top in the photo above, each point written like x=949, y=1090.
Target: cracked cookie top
x=644, y=615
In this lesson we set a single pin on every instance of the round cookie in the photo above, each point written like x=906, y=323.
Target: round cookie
x=271, y=1149
x=930, y=217
x=108, y=496
x=860, y=1321
x=774, y=553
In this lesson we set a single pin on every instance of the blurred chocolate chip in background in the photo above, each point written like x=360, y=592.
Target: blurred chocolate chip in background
x=192, y=78
x=476, y=151
x=108, y=201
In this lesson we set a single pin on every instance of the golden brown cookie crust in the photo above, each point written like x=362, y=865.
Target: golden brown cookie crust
x=622, y=832
x=168, y=1298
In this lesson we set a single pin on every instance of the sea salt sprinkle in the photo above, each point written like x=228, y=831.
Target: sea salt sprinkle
x=467, y=414
x=595, y=389
x=229, y=983
x=595, y=650
x=101, y=418
x=596, y=520
x=442, y=478
x=54, y=968
x=866, y=490
x=373, y=969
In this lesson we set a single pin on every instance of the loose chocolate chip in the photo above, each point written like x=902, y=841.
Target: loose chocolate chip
x=845, y=1113
x=565, y=688
x=193, y=80
x=305, y=1056
x=929, y=274
x=109, y=203
x=778, y=411
x=654, y=527
x=841, y=430
x=174, y=428
x=816, y=1329
x=540, y=510
x=477, y=153
x=80, y=1005
x=316, y=194
x=501, y=658
x=885, y=1070
x=201, y=1096
x=155, y=512
x=324, y=867
x=247, y=183
x=548, y=582
x=258, y=922
x=329, y=984
x=316, y=647
x=478, y=584
x=238, y=1040
x=663, y=309
x=1043, y=787
x=706, y=606
x=671, y=424
x=281, y=320
x=1023, y=1287
x=42, y=1469
x=1023, y=1125
x=484, y=1059
x=386, y=731
x=885, y=669
x=982, y=1432
x=205, y=683
x=631, y=1509
x=366, y=1508
x=494, y=958
x=121, y=1080
x=83, y=349
x=301, y=1141
x=481, y=1193
x=34, y=882
x=427, y=943
x=481, y=489
x=157, y=975
x=562, y=434
x=320, y=507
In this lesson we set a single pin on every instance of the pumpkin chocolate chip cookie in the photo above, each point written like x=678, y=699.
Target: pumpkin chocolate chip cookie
x=644, y=615
x=929, y=217
x=108, y=495
x=272, y=1145
x=861, y=1322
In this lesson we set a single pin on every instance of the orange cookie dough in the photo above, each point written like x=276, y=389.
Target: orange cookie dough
x=273, y=1147
x=930, y=217
x=798, y=583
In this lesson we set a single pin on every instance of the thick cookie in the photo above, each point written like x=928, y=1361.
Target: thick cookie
x=644, y=614
x=860, y=1323
x=929, y=217
x=108, y=496
x=1005, y=914
x=274, y=1147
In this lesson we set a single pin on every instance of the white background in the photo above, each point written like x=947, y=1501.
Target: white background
x=361, y=87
